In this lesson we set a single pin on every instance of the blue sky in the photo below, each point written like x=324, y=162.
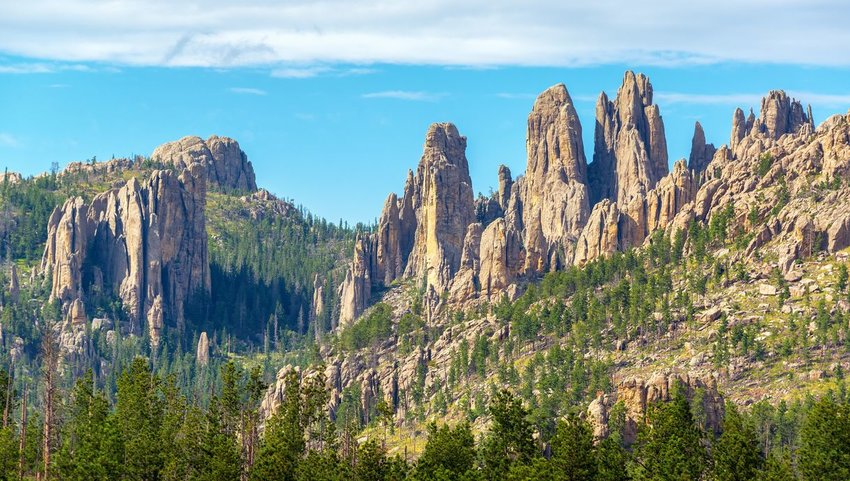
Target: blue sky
x=332, y=111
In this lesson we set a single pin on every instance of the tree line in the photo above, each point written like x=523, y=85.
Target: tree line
x=153, y=432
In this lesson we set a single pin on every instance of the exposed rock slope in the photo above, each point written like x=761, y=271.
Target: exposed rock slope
x=144, y=242
x=226, y=164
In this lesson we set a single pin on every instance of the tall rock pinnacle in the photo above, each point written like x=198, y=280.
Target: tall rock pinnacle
x=555, y=197
x=630, y=155
x=445, y=208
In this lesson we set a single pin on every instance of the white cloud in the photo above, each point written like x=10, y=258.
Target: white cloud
x=247, y=91
x=477, y=33
x=299, y=72
x=36, y=68
x=316, y=70
x=749, y=99
x=405, y=95
x=8, y=140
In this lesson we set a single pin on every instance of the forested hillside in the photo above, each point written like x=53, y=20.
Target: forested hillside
x=164, y=317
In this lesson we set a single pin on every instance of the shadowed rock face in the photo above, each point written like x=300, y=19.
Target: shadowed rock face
x=226, y=165
x=145, y=242
x=630, y=155
x=701, y=152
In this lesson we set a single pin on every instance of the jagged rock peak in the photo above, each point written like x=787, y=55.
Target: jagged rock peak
x=228, y=168
x=781, y=115
x=630, y=155
x=701, y=152
x=505, y=184
x=554, y=139
x=443, y=188
x=356, y=288
x=554, y=194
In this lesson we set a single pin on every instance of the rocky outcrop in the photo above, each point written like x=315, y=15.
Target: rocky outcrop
x=356, y=288
x=317, y=307
x=202, y=357
x=420, y=235
x=14, y=283
x=388, y=254
x=701, y=152
x=637, y=395
x=444, y=205
x=630, y=155
x=505, y=184
x=782, y=115
x=500, y=258
x=466, y=284
x=10, y=177
x=227, y=166
x=669, y=197
x=554, y=192
x=600, y=237
x=145, y=242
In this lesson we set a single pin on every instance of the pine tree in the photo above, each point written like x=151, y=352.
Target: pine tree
x=283, y=445
x=509, y=440
x=824, y=452
x=449, y=453
x=89, y=445
x=573, y=452
x=139, y=415
x=736, y=455
x=669, y=448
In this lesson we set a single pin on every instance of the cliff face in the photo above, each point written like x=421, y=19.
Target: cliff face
x=443, y=189
x=226, y=164
x=630, y=155
x=555, y=197
x=420, y=235
x=144, y=242
x=564, y=211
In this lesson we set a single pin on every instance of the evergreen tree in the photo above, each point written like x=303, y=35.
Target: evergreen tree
x=778, y=467
x=449, y=453
x=283, y=444
x=824, y=452
x=139, y=414
x=736, y=455
x=90, y=448
x=573, y=452
x=669, y=448
x=509, y=440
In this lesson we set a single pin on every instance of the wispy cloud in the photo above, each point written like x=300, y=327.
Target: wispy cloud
x=221, y=33
x=9, y=140
x=247, y=91
x=417, y=96
x=749, y=99
x=299, y=72
x=317, y=70
x=41, y=68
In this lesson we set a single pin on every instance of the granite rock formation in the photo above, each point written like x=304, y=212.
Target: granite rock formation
x=144, y=241
x=630, y=155
x=226, y=164
x=554, y=192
